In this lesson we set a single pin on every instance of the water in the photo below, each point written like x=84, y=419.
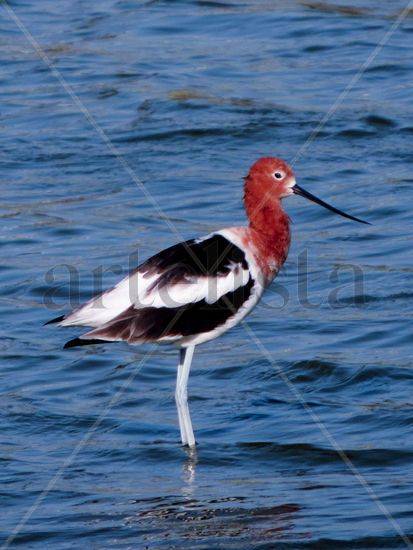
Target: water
x=190, y=94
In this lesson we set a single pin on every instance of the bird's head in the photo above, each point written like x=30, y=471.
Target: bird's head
x=272, y=176
x=274, y=179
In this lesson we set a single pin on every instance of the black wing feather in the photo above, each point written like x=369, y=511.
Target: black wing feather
x=212, y=256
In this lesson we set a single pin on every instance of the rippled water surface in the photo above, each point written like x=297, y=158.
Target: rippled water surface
x=126, y=126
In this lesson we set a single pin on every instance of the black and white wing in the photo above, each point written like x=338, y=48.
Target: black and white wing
x=191, y=291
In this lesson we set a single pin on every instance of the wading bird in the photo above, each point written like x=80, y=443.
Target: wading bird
x=196, y=290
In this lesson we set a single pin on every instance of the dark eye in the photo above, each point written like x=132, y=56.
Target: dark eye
x=278, y=175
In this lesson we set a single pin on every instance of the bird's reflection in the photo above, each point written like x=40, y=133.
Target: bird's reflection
x=189, y=471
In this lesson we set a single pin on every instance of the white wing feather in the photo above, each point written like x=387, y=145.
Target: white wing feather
x=141, y=290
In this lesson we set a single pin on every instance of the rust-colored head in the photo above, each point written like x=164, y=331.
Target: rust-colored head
x=271, y=176
x=271, y=179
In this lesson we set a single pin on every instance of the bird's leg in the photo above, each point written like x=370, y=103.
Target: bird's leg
x=177, y=396
x=181, y=396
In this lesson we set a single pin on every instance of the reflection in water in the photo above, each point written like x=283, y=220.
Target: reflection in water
x=188, y=472
x=191, y=522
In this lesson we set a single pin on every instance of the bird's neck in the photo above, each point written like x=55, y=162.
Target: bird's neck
x=269, y=223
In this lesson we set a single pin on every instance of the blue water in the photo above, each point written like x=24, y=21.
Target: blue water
x=305, y=421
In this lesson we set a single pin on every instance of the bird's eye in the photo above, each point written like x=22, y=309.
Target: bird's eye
x=279, y=175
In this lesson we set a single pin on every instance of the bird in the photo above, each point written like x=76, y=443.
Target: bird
x=198, y=289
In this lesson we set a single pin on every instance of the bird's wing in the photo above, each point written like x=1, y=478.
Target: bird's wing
x=191, y=272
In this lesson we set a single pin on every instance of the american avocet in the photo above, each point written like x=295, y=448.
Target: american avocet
x=196, y=290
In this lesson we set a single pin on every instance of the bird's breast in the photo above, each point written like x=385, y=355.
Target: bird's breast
x=269, y=251
x=265, y=255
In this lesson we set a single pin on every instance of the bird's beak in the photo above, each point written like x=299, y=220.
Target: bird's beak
x=300, y=191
